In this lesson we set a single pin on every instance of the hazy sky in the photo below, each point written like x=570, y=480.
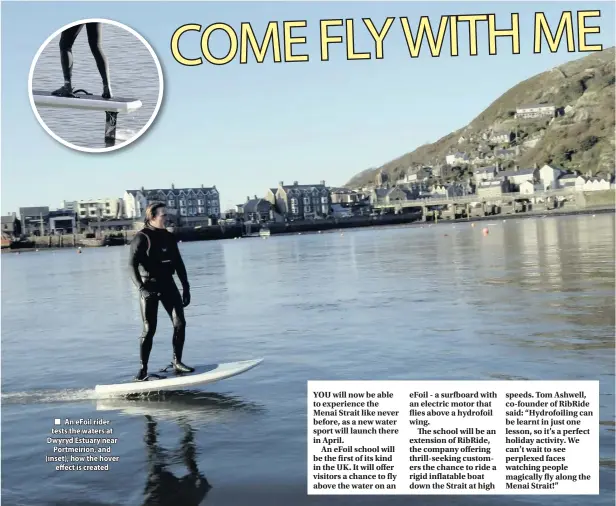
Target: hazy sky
x=244, y=128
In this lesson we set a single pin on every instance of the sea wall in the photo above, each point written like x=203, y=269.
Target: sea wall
x=71, y=241
x=604, y=199
x=599, y=198
x=340, y=223
x=208, y=233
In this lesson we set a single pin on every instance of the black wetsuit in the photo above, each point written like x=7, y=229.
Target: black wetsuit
x=154, y=259
x=163, y=488
x=67, y=39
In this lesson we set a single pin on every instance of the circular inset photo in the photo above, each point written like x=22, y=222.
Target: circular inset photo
x=95, y=85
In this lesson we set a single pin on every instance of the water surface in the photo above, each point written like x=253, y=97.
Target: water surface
x=533, y=300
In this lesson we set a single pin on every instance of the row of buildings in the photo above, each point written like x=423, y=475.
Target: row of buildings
x=488, y=183
x=548, y=177
x=184, y=204
x=187, y=207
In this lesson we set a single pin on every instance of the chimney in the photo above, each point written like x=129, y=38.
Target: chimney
x=247, y=198
x=201, y=186
x=256, y=198
x=323, y=183
x=172, y=186
x=142, y=189
x=516, y=168
x=281, y=183
x=294, y=183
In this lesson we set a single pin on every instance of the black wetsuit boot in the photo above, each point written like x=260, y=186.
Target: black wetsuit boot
x=66, y=90
x=178, y=347
x=142, y=374
x=144, y=356
x=179, y=366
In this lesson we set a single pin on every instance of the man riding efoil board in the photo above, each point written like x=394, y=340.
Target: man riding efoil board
x=154, y=259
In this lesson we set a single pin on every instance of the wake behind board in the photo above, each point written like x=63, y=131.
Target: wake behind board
x=83, y=101
x=203, y=374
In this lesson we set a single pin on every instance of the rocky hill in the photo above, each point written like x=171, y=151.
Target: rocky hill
x=580, y=136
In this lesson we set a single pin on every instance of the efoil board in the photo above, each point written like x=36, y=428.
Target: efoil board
x=82, y=101
x=203, y=374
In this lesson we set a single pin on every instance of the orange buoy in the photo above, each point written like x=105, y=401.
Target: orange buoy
x=486, y=231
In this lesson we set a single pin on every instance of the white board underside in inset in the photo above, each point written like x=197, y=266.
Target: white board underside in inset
x=90, y=102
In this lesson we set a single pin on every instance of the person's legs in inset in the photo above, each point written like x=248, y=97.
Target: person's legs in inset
x=149, y=315
x=95, y=39
x=67, y=39
x=172, y=302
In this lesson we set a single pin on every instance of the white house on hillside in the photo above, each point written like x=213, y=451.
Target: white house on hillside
x=457, y=159
x=501, y=136
x=485, y=174
x=588, y=184
x=535, y=111
x=530, y=187
x=549, y=174
x=518, y=176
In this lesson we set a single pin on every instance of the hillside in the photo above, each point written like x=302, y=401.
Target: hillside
x=580, y=137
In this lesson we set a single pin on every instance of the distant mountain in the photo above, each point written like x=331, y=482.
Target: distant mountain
x=580, y=137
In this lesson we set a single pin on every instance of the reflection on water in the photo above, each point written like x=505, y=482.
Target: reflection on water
x=192, y=406
x=183, y=409
x=163, y=487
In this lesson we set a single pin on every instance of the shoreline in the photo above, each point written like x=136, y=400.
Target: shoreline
x=415, y=223
x=495, y=217
x=533, y=214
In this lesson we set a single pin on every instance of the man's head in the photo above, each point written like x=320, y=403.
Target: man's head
x=156, y=215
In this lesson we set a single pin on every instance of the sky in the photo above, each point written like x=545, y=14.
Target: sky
x=245, y=127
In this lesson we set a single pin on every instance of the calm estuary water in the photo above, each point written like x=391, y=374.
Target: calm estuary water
x=532, y=300
x=133, y=74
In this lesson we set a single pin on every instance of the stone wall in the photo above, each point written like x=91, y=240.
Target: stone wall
x=600, y=198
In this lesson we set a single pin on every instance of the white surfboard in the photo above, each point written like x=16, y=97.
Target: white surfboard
x=203, y=374
x=82, y=101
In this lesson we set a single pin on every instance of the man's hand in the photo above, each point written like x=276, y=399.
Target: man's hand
x=186, y=296
x=145, y=293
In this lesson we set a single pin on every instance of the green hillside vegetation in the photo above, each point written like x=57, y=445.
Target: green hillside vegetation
x=580, y=137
